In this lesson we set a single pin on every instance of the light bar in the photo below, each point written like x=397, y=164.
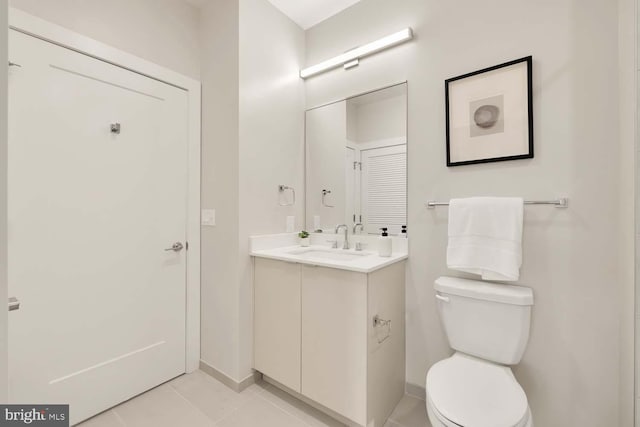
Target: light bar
x=359, y=52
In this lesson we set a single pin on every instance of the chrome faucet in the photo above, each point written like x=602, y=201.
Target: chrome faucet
x=346, y=235
x=355, y=227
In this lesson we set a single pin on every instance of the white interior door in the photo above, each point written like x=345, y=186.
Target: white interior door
x=384, y=188
x=102, y=314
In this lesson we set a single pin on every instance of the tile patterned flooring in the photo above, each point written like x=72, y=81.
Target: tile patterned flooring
x=196, y=399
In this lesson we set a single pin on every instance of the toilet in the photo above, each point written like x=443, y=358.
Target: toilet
x=487, y=325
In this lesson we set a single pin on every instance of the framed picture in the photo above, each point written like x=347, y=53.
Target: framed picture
x=490, y=114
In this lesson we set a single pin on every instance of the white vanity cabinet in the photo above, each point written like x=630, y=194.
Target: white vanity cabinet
x=277, y=324
x=315, y=334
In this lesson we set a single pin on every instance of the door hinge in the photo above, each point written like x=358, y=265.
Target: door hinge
x=186, y=245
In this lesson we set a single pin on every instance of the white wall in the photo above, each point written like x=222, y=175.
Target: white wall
x=271, y=138
x=380, y=119
x=253, y=103
x=162, y=31
x=570, y=371
x=219, y=39
x=3, y=201
x=326, y=138
x=629, y=75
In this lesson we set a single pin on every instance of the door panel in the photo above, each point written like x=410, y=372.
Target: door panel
x=334, y=340
x=277, y=321
x=90, y=214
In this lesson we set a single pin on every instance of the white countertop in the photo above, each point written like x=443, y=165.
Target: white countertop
x=283, y=247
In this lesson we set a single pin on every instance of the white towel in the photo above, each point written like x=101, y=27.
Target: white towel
x=485, y=236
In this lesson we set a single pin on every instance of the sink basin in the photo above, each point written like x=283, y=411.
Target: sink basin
x=334, y=255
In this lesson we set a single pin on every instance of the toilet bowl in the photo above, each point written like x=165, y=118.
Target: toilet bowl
x=488, y=326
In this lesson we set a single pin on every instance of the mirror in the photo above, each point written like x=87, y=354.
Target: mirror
x=356, y=163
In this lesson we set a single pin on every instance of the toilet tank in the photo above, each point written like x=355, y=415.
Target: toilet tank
x=486, y=320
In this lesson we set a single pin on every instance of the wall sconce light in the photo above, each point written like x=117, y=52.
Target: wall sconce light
x=351, y=58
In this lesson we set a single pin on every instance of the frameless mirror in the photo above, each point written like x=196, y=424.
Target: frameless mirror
x=356, y=162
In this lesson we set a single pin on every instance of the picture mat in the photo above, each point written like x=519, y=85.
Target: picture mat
x=512, y=83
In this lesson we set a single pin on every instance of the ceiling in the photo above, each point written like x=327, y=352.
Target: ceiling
x=308, y=13
x=305, y=13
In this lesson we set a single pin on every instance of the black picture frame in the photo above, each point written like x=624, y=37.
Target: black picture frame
x=484, y=124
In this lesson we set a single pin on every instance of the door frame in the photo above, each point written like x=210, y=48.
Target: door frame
x=4, y=41
x=52, y=33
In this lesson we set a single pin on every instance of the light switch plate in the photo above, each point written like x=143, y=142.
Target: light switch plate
x=208, y=217
x=291, y=224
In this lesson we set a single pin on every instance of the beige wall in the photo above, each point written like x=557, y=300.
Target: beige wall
x=161, y=31
x=3, y=201
x=570, y=371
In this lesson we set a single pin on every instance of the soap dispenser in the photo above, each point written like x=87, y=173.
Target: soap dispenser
x=384, y=243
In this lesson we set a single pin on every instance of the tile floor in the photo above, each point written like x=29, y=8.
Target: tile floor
x=196, y=399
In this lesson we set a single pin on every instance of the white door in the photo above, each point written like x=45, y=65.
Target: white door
x=91, y=212
x=384, y=188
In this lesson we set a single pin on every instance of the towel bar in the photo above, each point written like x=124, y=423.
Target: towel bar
x=562, y=202
x=282, y=189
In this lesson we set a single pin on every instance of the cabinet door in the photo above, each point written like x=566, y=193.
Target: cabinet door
x=334, y=340
x=277, y=321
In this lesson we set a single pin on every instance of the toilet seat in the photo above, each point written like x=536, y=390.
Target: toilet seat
x=444, y=422
x=439, y=420
x=466, y=391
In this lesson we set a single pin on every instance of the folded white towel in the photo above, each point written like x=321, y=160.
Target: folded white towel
x=485, y=236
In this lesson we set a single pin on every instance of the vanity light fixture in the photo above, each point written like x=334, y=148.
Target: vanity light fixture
x=350, y=58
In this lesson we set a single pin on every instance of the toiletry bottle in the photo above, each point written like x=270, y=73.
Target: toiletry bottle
x=384, y=243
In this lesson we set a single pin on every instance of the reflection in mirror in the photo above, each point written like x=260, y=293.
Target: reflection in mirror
x=356, y=163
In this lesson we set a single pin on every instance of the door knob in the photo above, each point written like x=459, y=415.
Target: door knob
x=14, y=304
x=176, y=247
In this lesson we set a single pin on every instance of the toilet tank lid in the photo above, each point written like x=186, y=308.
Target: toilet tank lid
x=507, y=294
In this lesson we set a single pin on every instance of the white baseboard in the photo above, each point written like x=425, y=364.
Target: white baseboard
x=227, y=380
x=415, y=391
